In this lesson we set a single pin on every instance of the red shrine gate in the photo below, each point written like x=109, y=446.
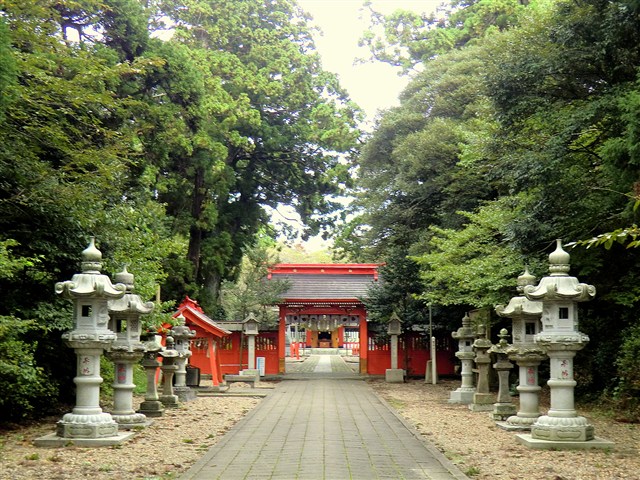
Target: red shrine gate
x=323, y=300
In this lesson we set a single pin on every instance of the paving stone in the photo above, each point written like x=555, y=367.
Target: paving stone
x=320, y=427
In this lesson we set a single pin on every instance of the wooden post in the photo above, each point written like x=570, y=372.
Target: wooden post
x=364, y=345
x=282, y=342
x=213, y=362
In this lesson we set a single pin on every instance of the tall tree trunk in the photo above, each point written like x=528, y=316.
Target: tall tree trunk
x=195, y=232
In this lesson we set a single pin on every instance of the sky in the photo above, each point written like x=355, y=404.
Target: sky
x=373, y=85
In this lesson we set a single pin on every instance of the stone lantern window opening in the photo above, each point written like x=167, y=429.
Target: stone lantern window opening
x=85, y=311
x=122, y=325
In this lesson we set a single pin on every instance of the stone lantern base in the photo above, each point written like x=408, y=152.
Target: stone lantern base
x=132, y=421
x=53, y=440
x=84, y=431
x=185, y=394
x=462, y=395
x=482, y=402
x=502, y=411
x=528, y=441
x=151, y=408
x=563, y=433
x=394, y=375
x=84, y=435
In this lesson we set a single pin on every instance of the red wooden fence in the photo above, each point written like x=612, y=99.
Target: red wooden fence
x=413, y=353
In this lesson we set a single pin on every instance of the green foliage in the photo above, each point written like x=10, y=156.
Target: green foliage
x=24, y=384
x=166, y=149
x=625, y=236
x=521, y=127
x=627, y=391
x=474, y=265
x=252, y=292
x=397, y=291
x=407, y=40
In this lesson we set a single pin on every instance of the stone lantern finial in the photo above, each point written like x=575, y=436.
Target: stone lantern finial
x=525, y=279
x=91, y=258
x=125, y=278
x=559, y=261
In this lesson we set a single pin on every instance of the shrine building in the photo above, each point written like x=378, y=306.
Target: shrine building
x=323, y=306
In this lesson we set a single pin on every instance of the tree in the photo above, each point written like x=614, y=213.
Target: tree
x=409, y=40
x=426, y=160
x=252, y=292
x=263, y=128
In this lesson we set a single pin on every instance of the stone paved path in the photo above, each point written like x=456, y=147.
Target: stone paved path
x=322, y=428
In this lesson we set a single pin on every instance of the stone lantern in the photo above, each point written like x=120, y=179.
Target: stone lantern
x=126, y=350
x=525, y=317
x=151, y=406
x=394, y=328
x=181, y=335
x=250, y=328
x=483, y=400
x=559, y=293
x=504, y=407
x=465, y=336
x=169, y=354
x=90, y=291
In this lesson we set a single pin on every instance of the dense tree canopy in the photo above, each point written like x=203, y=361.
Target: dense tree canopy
x=519, y=126
x=164, y=129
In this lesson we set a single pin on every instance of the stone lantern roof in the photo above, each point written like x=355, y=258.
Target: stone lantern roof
x=520, y=305
x=559, y=285
x=90, y=283
x=130, y=302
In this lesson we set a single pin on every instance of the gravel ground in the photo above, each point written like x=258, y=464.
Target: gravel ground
x=471, y=440
x=484, y=451
x=162, y=451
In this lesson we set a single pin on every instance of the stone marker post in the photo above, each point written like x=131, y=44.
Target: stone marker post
x=482, y=400
x=87, y=424
x=525, y=319
x=250, y=326
x=504, y=407
x=559, y=293
x=394, y=374
x=126, y=351
x=465, y=336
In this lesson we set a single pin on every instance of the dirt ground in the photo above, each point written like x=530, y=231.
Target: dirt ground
x=471, y=440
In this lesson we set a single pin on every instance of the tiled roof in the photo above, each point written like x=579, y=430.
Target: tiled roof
x=325, y=286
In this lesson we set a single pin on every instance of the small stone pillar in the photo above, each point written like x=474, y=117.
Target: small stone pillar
x=559, y=293
x=168, y=368
x=394, y=374
x=250, y=328
x=483, y=400
x=504, y=407
x=181, y=335
x=87, y=424
x=465, y=336
x=151, y=406
x=126, y=350
x=525, y=319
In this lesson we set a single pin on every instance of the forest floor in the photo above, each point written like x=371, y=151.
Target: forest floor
x=471, y=440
